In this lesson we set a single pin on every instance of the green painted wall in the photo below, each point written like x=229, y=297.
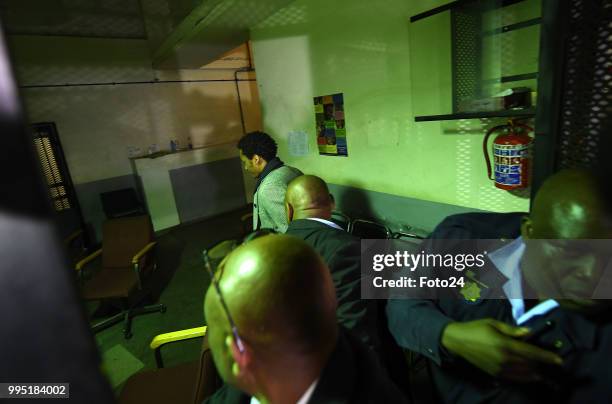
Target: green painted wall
x=364, y=49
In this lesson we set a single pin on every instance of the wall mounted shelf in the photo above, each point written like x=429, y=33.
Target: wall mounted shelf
x=510, y=113
x=492, y=47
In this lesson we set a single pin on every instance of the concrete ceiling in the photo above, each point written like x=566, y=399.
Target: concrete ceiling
x=182, y=34
x=81, y=18
x=213, y=28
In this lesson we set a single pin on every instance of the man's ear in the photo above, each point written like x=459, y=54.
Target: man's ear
x=256, y=159
x=242, y=362
x=526, y=227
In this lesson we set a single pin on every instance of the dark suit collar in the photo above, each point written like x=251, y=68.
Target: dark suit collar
x=492, y=281
x=229, y=395
x=504, y=252
x=489, y=278
x=307, y=224
x=336, y=382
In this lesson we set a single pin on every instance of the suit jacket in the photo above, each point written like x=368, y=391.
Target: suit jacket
x=269, y=199
x=352, y=375
x=341, y=251
x=418, y=325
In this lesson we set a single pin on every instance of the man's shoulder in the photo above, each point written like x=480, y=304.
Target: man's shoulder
x=282, y=175
x=483, y=225
x=332, y=244
x=321, y=233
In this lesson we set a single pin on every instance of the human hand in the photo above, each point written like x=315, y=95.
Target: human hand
x=496, y=348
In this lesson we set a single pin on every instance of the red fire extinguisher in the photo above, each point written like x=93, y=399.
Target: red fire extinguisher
x=511, y=155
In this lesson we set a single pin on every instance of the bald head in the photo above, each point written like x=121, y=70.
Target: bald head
x=280, y=294
x=282, y=299
x=560, y=260
x=569, y=205
x=308, y=196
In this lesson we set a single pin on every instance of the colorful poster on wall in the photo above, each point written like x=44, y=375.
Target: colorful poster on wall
x=331, y=129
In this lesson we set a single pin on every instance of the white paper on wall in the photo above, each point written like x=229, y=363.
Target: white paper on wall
x=298, y=143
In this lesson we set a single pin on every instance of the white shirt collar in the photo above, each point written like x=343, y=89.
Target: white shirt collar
x=327, y=222
x=303, y=400
x=538, y=310
x=507, y=259
x=308, y=393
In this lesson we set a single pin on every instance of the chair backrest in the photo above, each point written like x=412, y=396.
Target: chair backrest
x=121, y=203
x=368, y=229
x=219, y=251
x=122, y=238
x=207, y=380
x=341, y=219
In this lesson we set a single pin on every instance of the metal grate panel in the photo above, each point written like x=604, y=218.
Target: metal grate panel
x=48, y=156
x=587, y=97
x=466, y=54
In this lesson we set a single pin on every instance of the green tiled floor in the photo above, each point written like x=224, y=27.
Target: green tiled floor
x=118, y=364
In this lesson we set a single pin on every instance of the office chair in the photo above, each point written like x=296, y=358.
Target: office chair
x=368, y=229
x=121, y=203
x=75, y=245
x=188, y=383
x=410, y=233
x=341, y=219
x=127, y=260
x=219, y=251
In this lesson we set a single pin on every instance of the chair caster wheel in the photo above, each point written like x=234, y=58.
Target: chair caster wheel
x=127, y=335
x=162, y=309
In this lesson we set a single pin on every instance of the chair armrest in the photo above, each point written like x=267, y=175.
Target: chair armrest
x=73, y=236
x=87, y=259
x=142, y=252
x=176, y=336
x=401, y=234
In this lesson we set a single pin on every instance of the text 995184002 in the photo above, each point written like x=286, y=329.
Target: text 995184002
x=34, y=390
